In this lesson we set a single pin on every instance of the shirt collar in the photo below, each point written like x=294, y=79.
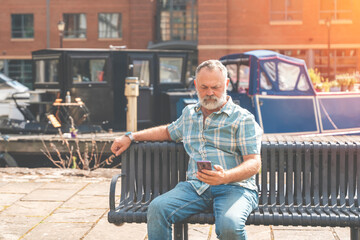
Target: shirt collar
x=227, y=108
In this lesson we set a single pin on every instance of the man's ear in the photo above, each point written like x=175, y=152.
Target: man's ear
x=195, y=82
x=227, y=82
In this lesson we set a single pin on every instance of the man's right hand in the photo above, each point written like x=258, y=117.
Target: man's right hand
x=120, y=144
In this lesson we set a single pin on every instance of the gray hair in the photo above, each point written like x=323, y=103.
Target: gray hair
x=211, y=65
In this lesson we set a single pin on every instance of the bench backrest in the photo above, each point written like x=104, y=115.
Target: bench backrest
x=318, y=174
x=293, y=174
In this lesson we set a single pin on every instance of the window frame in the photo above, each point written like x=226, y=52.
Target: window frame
x=76, y=33
x=26, y=71
x=119, y=28
x=23, y=26
x=333, y=14
x=286, y=13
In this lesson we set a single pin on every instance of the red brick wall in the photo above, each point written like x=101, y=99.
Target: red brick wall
x=227, y=26
x=213, y=27
x=142, y=23
x=137, y=24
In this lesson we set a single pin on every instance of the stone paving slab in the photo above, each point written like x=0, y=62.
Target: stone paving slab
x=304, y=233
x=30, y=208
x=90, y=202
x=14, y=227
x=73, y=215
x=73, y=204
x=16, y=187
x=103, y=230
x=59, y=231
x=52, y=195
x=99, y=189
x=9, y=198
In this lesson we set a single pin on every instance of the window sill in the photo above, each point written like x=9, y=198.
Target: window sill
x=289, y=22
x=337, y=21
x=110, y=39
x=75, y=39
x=22, y=39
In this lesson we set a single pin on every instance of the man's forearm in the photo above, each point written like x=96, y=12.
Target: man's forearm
x=159, y=133
x=244, y=171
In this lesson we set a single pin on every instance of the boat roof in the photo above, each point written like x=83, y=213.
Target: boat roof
x=261, y=54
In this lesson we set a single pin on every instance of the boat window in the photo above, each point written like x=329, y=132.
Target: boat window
x=232, y=73
x=141, y=70
x=244, y=73
x=47, y=71
x=88, y=70
x=170, y=69
x=265, y=82
x=239, y=76
x=270, y=68
x=288, y=75
x=303, y=84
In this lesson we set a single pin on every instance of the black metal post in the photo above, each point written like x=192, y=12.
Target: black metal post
x=328, y=24
x=61, y=39
x=61, y=28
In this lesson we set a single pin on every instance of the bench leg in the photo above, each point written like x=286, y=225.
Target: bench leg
x=180, y=231
x=355, y=233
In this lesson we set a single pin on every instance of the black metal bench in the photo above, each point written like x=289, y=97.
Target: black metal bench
x=300, y=184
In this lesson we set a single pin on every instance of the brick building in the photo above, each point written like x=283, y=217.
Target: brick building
x=212, y=28
x=300, y=28
x=32, y=25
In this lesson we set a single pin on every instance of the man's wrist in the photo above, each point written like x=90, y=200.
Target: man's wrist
x=130, y=136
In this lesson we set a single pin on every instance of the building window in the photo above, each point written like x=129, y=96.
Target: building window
x=285, y=10
x=177, y=20
x=22, y=26
x=110, y=25
x=21, y=70
x=335, y=9
x=75, y=25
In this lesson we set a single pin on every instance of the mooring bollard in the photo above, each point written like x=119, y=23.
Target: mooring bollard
x=131, y=93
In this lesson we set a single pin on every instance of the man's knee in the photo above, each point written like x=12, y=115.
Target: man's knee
x=156, y=206
x=230, y=228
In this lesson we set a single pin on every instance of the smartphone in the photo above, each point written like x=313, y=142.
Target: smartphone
x=203, y=165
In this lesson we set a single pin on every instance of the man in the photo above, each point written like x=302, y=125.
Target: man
x=216, y=130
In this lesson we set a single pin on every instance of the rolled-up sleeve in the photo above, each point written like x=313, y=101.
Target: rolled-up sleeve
x=176, y=128
x=249, y=136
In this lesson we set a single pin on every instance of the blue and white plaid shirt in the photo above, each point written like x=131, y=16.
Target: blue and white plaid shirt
x=222, y=139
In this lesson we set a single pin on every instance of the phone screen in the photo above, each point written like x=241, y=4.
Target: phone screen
x=203, y=165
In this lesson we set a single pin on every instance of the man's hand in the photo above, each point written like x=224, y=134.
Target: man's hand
x=246, y=169
x=120, y=144
x=212, y=177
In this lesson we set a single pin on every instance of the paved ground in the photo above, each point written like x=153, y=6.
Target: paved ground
x=50, y=203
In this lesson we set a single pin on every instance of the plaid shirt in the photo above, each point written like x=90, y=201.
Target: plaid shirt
x=223, y=139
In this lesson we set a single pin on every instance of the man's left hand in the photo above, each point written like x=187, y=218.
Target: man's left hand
x=212, y=177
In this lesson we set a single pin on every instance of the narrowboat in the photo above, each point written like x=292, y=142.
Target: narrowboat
x=277, y=89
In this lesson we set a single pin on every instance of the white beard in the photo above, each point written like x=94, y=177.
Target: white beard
x=212, y=102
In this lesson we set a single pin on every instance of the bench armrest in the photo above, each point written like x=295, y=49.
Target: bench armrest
x=112, y=190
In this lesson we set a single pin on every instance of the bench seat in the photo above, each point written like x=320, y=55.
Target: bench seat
x=300, y=184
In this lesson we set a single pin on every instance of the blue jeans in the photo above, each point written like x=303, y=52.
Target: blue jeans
x=231, y=205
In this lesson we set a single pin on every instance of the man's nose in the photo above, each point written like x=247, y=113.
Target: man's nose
x=209, y=92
